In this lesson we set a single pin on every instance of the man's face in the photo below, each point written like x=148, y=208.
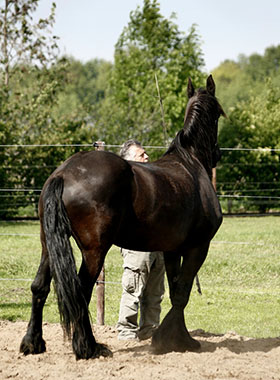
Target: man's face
x=138, y=154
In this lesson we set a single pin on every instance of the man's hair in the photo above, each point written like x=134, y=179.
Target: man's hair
x=124, y=152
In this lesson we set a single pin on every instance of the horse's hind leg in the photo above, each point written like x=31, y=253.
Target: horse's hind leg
x=172, y=334
x=90, y=268
x=33, y=342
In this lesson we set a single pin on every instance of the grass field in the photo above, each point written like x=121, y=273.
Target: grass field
x=240, y=278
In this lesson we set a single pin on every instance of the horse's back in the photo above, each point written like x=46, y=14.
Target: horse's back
x=91, y=178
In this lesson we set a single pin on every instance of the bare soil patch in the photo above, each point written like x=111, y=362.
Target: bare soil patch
x=223, y=357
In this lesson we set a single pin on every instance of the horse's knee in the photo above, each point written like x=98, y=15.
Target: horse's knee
x=40, y=287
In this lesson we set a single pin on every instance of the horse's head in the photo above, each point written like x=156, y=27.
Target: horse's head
x=201, y=122
x=207, y=97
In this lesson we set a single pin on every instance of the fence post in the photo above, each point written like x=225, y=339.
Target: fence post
x=100, y=283
x=214, y=178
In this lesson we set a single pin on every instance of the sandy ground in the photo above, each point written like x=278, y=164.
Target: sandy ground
x=228, y=356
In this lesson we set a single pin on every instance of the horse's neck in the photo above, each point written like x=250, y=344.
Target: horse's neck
x=190, y=159
x=206, y=161
x=199, y=147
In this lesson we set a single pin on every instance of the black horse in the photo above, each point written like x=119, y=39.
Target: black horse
x=100, y=199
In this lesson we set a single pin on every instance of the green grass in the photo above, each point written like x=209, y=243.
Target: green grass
x=239, y=279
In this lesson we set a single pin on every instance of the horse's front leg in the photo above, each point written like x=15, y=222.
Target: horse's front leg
x=172, y=334
x=33, y=342
x=172, y=263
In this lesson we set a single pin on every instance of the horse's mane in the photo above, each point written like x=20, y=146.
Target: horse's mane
x=199, y=133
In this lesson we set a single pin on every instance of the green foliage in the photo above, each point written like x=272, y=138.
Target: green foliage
x=254, y=123
x=43, y=100
x=23, y=41
x=249, y=92
x=31, y=79
x=231, y=84
x=239, y=279
x=46, y=106
x=150, y=45
x=78, y=104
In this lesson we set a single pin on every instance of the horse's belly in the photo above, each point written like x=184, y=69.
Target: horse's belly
x=160, y=236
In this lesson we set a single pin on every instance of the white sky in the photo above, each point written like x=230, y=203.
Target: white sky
x=89, y=29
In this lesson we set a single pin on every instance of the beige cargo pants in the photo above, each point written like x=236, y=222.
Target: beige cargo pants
x=143, y=285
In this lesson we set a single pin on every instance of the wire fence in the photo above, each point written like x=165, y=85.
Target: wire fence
x=235, y=196
x=119, y=283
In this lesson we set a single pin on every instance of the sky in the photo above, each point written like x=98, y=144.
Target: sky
x=89, y=29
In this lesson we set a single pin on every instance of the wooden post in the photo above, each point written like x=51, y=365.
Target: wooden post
x=100, y=283
x=100, y=294
x=214, y=178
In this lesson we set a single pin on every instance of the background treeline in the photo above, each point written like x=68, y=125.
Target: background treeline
x=249, y=89
x=46, y=99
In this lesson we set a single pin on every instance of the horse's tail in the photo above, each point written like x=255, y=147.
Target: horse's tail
x=57, y=228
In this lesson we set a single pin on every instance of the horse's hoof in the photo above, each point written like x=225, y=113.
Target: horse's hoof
x=183, y=343
x=28, y=346
x=193, y=345
x=94, y=352
x=103, y=350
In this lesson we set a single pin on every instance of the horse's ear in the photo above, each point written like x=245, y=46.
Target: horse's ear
x=190, y=90
x=210, y=85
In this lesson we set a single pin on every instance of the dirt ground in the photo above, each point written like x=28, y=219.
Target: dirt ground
x=223, y=357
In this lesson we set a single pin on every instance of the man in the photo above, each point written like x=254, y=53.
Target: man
x=143, y=277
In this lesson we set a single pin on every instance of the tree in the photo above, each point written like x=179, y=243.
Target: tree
x=31, y=79
x=253, y=124
x=237, y=81
x=249, y=92
x=230, y=81
x=22, y=40
x=78, y=103
x=150, y=45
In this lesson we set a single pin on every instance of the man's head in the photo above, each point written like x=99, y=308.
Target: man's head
x=132, y=150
